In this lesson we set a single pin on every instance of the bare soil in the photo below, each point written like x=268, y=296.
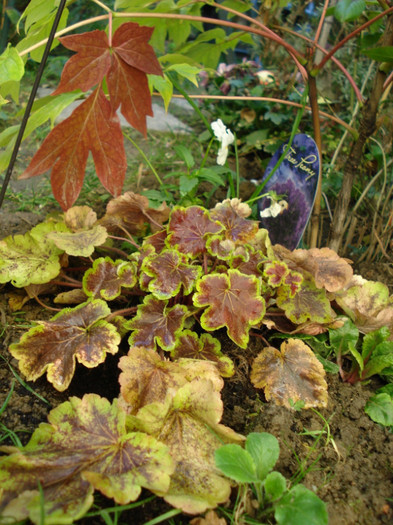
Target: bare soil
x=352, y=473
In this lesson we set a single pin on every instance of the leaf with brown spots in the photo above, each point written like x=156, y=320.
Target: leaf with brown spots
x=292, y=375
x=85, y=446
x=79, y=333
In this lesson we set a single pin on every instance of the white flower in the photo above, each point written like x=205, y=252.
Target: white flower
x=274, y=209
x=265, y=77
x=225, y=136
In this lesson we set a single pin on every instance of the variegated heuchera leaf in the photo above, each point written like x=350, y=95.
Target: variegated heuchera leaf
x=309, y=303
x=106, y=278
x=188, y=423
x=147, y=378
x=237, y=228
x=290, y=375
x=233, y=300
x=84, y=233
x=85, y=446
x=190, y=228
x=79, y=333
x=170, y=272
x=156, y=322
x=189, y=345
x=31, y=258
x=368, y=304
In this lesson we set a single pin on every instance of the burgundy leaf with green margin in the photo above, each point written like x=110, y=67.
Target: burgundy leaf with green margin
x=85, y=446
x=155, y=322
x=106, y=278
x=79, y=333
x=233, y=300
x=170, y=272
x=237, y=228
x=292, y=375
x=189, y=345
x=249, y=265
x=275, y=272
x=189, y=229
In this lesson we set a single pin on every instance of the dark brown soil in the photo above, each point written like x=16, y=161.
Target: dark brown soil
x=352, y=472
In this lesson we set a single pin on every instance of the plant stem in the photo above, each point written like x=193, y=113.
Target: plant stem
x=313, y=97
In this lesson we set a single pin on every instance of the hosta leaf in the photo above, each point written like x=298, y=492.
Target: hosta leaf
x=328, y=269
x=368, y=305
x=74, y=333
x=31, y=258
x=309, y=303
x=233, y=300
x=155, y=322
x=106, y=277
x=170, y=272
x=147, y=378
x=232, y=216
x=292, y=374
x=189, y=345
x=189, y=228
x=84, y=446
x=132, y=212
x=188, y=423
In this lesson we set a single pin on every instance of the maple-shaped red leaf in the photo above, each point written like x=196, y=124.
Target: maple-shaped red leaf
x=233, y=300
x=125, y=65
x=132, y=212
x=249, y=265
x=106, y=277
x=293, y=374
x=237, y=228
x=91, y=127
x=275, y=273
x=189, y=229
x=74, y=333
x=84, y=446
x=170, y=271
x=156, y=322
x=190, y=346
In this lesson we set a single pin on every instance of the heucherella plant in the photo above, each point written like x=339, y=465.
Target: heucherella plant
x=176, y=282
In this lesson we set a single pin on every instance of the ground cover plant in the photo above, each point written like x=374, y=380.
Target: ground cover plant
x=165, y=288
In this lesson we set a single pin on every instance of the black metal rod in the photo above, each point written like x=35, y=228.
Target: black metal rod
x=29, y=105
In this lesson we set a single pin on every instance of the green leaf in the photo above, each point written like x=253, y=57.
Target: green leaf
x=380, y=409
x=185, y=154
x=236, y=463
x=264, y=450
x=79, y=333
x=372, y=340
x=11, y=66
x=300, y=506
x=341, y=338
x=187, y=184
x=348, y=10
x=85, y=446
x=275, y=485
x=187, y=71
x=163, y=85
x=380, y=54
x=357, y=355
x=381, y=358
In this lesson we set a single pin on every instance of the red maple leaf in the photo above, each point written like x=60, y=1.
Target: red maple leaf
x=94, y=125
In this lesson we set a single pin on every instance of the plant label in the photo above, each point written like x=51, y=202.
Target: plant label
x=295, y=183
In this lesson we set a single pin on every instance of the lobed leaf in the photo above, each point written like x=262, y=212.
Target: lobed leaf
x=189, y=229
x=188, y=423
x=170, y=272
x=293, y=374
x=79, y=333
x=84, y=447
x=155, y=322
x=106, y=278
x=233, y=301
x=189, y=345
x=231, y=214
x=31, y=258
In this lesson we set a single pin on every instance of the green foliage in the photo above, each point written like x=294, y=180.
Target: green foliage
x=253, y=465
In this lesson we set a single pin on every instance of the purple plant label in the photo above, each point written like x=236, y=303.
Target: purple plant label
x=295, y=181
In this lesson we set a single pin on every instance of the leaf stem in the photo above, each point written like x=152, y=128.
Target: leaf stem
x=142, y=153
x=123, y=311
x=105, y=7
